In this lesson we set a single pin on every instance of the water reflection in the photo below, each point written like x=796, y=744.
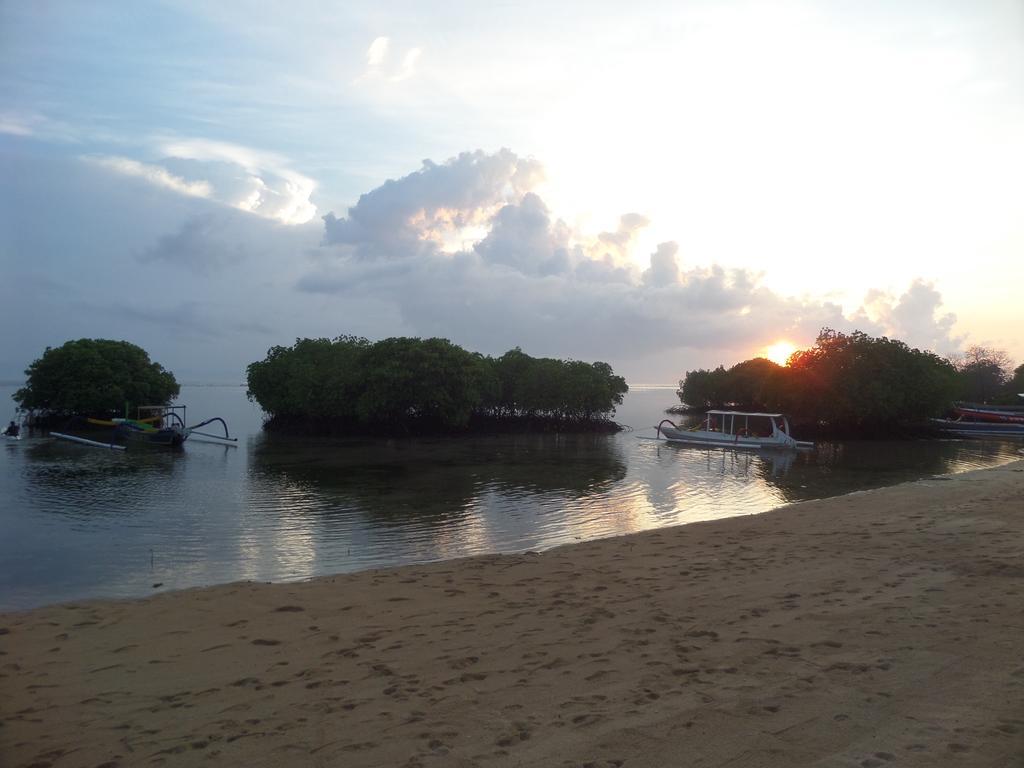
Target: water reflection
x=441, y=480
x=101, y=482
x=82, y=522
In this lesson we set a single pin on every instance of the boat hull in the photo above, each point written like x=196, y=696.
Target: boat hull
x=720, y=440
x=990, y=416
x=169, y=437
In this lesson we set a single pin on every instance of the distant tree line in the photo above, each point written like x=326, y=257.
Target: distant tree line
x=856, y=383
x=397, y=385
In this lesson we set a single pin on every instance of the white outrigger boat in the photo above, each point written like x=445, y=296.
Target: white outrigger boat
x=735, y=429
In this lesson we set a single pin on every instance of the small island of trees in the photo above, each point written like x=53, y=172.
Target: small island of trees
x=98, y=377
x=410, y=385
x=855, y=384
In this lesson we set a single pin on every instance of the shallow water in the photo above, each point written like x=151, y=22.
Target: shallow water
x=86, y=522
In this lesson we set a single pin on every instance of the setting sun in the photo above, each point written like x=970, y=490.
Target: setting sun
x=779, y=352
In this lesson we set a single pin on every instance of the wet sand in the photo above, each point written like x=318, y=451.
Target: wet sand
x=883, y=628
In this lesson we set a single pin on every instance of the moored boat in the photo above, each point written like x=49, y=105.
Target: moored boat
x=736, y=429
x=156, y=426
x=989, y=413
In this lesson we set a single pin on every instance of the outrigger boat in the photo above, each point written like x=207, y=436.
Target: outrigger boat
x=735, y=429
x=973, y=420
x=994, y=414
x=157, y=426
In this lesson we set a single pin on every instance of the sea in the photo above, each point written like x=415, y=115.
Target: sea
x=78, y=522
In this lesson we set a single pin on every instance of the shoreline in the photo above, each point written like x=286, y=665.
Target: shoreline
x=862, y=629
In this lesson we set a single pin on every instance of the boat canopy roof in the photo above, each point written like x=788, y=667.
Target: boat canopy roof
x=743, y=413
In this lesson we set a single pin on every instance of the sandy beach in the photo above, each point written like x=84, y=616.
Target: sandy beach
x=881, y=628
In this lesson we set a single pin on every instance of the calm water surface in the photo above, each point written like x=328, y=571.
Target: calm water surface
x=85, y=522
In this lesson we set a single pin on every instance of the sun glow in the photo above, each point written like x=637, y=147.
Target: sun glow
x=779, y=352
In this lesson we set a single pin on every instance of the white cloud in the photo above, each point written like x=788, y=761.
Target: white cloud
x=154, y=174
x=256, y=182
x=420, y=211
x=408, y=65
x=531, y=280
x=617, y=246
x=15, y=125
x=376, y=53
x=914, y=317
x=523, y=236
x=387, y=268
x=271, y=189
x=664, y=269
x=377, y=56
x=39, y=126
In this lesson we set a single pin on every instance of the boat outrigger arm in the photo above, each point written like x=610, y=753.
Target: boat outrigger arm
x=194, y=430
x=84, y=441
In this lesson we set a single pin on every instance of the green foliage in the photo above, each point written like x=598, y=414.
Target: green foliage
x=427, y=383
x=431, y=381
x=704, y=389
x=982, y=382
x=93, y=376
x=1014, y=387
x=847, y=380
x=984, y=375
x=533, y=387
x=859, y=381
x=752, y=384
x=314, y=375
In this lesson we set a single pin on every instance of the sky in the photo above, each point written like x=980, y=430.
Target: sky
x=662, y=186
